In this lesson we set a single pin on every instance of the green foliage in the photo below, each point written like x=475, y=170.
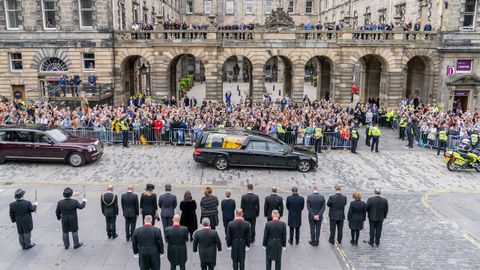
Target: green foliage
x=185, y=84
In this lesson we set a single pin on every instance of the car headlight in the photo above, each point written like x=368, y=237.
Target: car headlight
x=91, y=148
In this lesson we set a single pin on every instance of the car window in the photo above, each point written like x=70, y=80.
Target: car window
x=224, y=141
x=275, y=147
x=20, y=136
x=41, y=137
x=3, y=136
x=257, y=146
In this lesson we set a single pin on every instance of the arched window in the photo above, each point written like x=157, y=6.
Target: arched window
x=53, y=65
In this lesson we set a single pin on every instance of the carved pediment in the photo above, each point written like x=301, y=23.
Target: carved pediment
x=279, y=19
x=466, y=80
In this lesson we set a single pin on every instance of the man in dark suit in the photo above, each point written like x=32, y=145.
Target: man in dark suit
x=167, y=204
x=377, y=208
x=147, y=242
x=67, y=212
x=176, y=237
x=295, y=204
x=228, y=209
x=130, y=211
x=315, y=207
x=336, y=212
x=275, y=240
x=109, y=204
x=250, y=205
x=273, y=202
x=238, y=239
x=21, y=214
x=207, y=242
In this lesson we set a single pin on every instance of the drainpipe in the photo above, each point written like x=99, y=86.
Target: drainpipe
x=114, y=53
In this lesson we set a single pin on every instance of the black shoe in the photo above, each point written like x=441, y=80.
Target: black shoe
x=331, y=242
x=128, y=239
x=290, y=242
x=109, y=236
x=370, y=243
x=79, y=245
x=377, y=151
x=66, y=247
x=29, y=247
x=377, y=244
x=352, y=242
x=297, y=241
x=339, y=242
x=114, y=236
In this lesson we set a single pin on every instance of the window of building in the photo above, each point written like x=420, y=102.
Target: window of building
x=308, y=7
x=12, y=12
x=469, y=14
x=207, y=6
x=16, y=62
x=49, y=14
x=189, y=7
x=268, y=6
x=381, y=15
x=290, y=7
x=249, y=6
x=88, y=61
x=229, y=7
x=86, y=13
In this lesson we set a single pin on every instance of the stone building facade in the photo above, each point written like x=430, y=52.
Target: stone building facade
x=42, y=40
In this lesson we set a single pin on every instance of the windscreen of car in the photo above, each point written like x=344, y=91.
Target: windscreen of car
x=226, y=141
x=57, y=135
x=257, y=146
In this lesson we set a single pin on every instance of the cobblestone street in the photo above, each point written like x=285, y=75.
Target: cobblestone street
x=418, y=233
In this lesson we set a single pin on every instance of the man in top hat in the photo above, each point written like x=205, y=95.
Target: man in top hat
x=238, y=239
x=21, y=213
x=67, y=212
x=130, y=211
x=109, y=204
x=176, y=237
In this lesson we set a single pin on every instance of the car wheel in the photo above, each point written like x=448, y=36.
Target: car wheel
x=76, y=159
x=304, y=166
x=221, y=163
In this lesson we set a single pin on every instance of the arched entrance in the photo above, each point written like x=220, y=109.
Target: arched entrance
x=50, y=75
x=237, y=78
x=318, y=78
x=370, y=77
x=419, y=80
x=187, y=77
x=278, y=77
x=136, y=76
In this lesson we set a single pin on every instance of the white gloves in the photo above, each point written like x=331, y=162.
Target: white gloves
x=247, y=248
x=161, y=255
x=264, y=247
x=284, y=248
x=35, y=203
x=135, y=256
x=84, y=199
x=229, y=248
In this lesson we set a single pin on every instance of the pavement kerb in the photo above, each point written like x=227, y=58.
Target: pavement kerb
x=426, y=203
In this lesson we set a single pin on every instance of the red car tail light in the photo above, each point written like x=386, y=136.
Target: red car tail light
x=198, y=152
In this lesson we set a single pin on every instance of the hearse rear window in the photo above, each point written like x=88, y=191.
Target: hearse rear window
x=225, y=141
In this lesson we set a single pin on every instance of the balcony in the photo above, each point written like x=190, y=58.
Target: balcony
x=262, y=38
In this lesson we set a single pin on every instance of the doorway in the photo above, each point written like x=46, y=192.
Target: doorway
x=18, y=92
x=460, y=100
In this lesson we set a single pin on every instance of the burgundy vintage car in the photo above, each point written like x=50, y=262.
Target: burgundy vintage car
x=40, y=143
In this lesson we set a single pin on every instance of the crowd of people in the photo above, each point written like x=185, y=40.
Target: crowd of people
x=239, y=221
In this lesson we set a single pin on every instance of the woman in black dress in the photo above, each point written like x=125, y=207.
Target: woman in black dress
x=209, y=207
x=356, y=216
x=148, y=204
x=189, y=216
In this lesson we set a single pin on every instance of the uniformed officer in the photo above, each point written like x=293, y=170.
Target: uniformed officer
x=124, y=125
x=410, y=129
x=206, y=241
x=402, y=125
x=375, y=133
x=474, y=139
x=67, y=212
x=275, y=240
x=368, y=137
x=238, y=239
x=147, y=242
x=109, y=205
x=318, y=135
x=442, y=141
x=176, y=237
x=355, y=137
x=21, y=214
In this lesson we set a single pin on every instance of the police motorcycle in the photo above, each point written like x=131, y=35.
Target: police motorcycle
x=463, y=158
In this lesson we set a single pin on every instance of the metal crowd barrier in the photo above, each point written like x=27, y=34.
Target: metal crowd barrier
x=329, y=140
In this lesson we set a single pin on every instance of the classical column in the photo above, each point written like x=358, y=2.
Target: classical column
x=298, y=81
x=258, y=84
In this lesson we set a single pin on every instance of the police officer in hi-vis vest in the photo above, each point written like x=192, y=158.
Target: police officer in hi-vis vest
x=355, y=135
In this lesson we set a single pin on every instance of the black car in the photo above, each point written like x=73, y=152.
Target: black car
x=242, y=148
x=41, y=143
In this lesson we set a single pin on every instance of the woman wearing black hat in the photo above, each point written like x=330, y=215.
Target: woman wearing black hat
x=21, y=213
x=148, y=203
x=67, y=212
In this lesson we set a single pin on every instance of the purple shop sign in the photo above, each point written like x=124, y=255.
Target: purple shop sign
x=464, y=65
x=461, y=93
x=450, y=71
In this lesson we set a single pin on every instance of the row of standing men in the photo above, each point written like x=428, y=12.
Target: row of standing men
x=239, y=222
